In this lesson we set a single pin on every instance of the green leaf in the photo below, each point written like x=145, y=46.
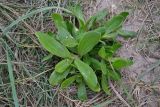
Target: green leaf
x=109, y=51
x=64, y=29
x=95, y=63
x=126, y=34
x=102, y=52
x=65, y=37
x=86, y=59
x=119, y=63
x=79, y=34
x=68, y=81
x=97, y=17
x=77, y=11
x=115, y=22
x=56, y=77
x=70, y=42
x=89, y=24
x=63, y=33
x=71, y=28
x=79, y=78
x=104, y=67
x=50, y=33
x=88, y=75
x=101, y=30
x=114, y=47
x=110, y=36
x=58, y=20
x=73, y=50
x=57, y=17
x=47, y=57
x=63, y=65
x=92, y=62
x=89, y=40
x=82, y=94
x=52, y=45
x=114, y=75
x=105, y=85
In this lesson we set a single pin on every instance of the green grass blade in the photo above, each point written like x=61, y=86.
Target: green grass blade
x=10, y=70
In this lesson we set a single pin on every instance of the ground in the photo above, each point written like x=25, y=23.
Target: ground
x=140, y=86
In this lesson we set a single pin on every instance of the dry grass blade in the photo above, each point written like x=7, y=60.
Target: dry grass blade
x=118, y=95
x=6, y=29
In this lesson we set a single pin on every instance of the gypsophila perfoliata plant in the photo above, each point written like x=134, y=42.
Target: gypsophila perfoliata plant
x=87, y=51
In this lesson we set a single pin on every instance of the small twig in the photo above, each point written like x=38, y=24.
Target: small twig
x=118, y=95
x=74, y=101
x=97, y=99
x=59, y=2
x=78, y=104
x=94, y=98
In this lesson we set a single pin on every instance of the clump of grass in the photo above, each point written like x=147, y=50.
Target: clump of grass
x=30, y=73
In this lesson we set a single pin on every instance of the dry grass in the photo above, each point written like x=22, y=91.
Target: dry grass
x=139, y=86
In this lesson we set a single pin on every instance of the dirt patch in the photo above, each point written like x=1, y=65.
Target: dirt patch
x=144, y=49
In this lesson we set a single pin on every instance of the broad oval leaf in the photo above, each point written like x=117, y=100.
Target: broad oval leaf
x=71, y=28
x=86, y=60
x=63, y=65
x=63, y=33
x=79, y=34
x=101, y=30
x=95, y=63
x=104, y=67
x=65, y=38
x=57, y=17
x=88, y=41
x=52, y=45
x=58, y=20
x=105, y=85
x=56, y=77
x=92, y=62
x=88, y=75
x=70, y=42
x=82, y=94
x=68, y=81
x=119, y=63
x=115, y=22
